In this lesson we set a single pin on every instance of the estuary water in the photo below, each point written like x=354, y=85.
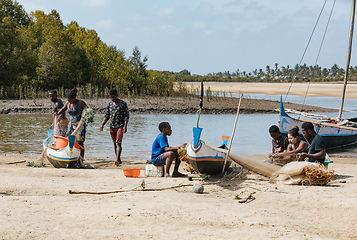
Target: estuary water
x=25, y=133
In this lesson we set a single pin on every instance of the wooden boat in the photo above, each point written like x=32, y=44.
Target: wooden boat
x=203, y=158
x=64, y=151
x=335, y=135
x=336, y=132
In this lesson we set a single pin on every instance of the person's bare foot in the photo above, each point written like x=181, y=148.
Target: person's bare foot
x=116, y=163
x=178, y=174
x=167, y=175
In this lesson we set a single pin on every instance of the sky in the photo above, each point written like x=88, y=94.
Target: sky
x=205, y=36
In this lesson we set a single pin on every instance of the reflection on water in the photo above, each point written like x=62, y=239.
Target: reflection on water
x=25, y=133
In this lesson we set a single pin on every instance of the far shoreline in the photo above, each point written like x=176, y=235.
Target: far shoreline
x=331, y=89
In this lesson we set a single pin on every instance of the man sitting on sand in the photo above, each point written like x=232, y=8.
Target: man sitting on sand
x=162, y=154
x=317, y=150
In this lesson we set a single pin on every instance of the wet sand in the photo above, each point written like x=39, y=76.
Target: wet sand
x=35, y=204
x=167, y=105
x=215, y=105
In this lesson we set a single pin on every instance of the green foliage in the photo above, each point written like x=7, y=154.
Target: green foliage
x=38, y=53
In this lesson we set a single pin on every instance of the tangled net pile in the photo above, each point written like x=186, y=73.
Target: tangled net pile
x=182, y=152
x=317, y=176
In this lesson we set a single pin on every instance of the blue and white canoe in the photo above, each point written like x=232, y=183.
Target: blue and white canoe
x=335, y=136
x=205, y=159
x=65, y=151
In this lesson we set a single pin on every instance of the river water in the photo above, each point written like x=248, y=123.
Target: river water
x=25, y=133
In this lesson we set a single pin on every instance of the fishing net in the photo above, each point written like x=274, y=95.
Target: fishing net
x=60, y=127
x=182, y=152
x=320, y=176
x=305, y=173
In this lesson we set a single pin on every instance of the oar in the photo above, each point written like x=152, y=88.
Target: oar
x=230, y=140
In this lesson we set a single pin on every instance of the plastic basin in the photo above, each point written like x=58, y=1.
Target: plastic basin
x=132, y=172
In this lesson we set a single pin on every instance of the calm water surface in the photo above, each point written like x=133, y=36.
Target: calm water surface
x=24, y=133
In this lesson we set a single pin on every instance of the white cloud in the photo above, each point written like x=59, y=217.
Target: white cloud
x=96, y=3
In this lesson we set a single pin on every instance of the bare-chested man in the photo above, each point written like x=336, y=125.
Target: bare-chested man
x=62, y=121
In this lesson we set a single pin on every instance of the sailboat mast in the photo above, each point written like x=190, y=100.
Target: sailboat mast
x=348, y=58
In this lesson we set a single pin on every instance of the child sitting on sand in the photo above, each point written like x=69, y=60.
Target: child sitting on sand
x=279, y=141
x=162, y=154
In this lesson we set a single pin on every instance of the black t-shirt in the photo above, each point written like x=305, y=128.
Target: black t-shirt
x=317, y=145
x=279, y=146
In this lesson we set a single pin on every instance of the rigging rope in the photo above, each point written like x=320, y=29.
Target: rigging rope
x=303, y=55
x=318, y=54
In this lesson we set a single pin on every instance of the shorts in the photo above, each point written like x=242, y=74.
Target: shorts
x=160, y=160
x=117, y=135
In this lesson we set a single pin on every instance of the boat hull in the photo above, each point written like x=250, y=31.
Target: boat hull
x=61, y=157
x=206, y=160
x=335, y=136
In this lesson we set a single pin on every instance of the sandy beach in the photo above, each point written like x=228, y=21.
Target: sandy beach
x=35, y=204
x=299, y=89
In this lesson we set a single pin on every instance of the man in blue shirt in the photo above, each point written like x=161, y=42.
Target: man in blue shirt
x=162, y=154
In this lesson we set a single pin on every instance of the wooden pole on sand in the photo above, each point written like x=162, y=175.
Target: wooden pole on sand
x=234, y=130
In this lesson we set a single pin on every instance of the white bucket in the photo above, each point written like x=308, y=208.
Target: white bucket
x=153, y=171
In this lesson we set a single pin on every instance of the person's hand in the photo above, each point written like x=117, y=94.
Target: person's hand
x=101, y=128
x=125, y=129
x=184, y=145
x=302, y=156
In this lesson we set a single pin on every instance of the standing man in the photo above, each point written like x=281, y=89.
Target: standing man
x=118, y=113
x=61, y=121
x=57, y=103
x=317, y=151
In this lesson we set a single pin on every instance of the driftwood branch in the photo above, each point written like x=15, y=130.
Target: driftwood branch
x=16, y=162
x=152, y=189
